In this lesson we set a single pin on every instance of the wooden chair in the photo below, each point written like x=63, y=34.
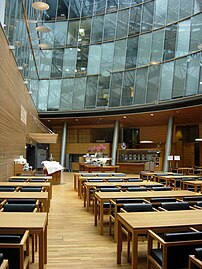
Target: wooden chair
x=161, y=188
x=171, y=206
x=15, y=249
x=195, y=261
x=171, y=250
x=156, y=201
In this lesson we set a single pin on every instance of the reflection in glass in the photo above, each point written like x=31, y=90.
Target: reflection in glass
x=170, y=41
x=54, y=95
x=115, y=93
x=69, y=62
x=140, y=86
x=131, y=53
x=179, y=78
x=166, y=80
x=73, y=31
x=110, y=26
x=144, y=49
x=157, y=46
x=153, y=83
x=82, y=60
x=193, y=72
x=67, y=89
x=128, y=88
x=57, y=63
x=94, y=59
x=43, y=95
x=160, y=13
x=91, y=92
x=196, y=32
x=182, y=40
x=97, y=29
x=103, y=91
x=122, y=23
x=147, y=16
x=79, y=93
x=119, y=55
x=134, y=20
x=45, y=63
x=173, y=10
x=107, y=57
x=60, y=34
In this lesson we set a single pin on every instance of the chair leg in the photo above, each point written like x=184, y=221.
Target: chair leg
x=128, y=248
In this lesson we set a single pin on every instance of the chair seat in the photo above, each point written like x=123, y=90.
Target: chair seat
x=157, y=255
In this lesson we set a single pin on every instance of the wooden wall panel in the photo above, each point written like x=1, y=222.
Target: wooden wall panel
x=154, y=133
x=14, y=99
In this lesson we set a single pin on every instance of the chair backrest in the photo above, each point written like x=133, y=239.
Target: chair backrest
x=175, y=206
x=134, y=179
x=19, y=207
x=188, y=179
x=103, y=175
x=161, y=188
x=182, y=236
x=199, y=204
x=162, y=199
x=198, y=253
x=129, y=200
x=31, y=189
x=37, y=180
x=110, y=189
x=136, y=189
x=7, y=189
x=118, y=175
x=21, y=201
x=192, y=198
x=17, y=179
x=95, y=180
x=115, y=180
x=137, y=207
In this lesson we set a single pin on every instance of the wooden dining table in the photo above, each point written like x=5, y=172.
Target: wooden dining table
x=101, y=197
x=41, y=196
x=138, y=223
x=36, y=223
x=88, y=186
x=194, y=183
x=172, y=180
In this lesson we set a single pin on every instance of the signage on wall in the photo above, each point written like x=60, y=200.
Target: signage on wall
x=23, y=115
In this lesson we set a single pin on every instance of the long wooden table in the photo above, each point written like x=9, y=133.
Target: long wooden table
x=36, y=223
x=195, y=184
x=101, y=197
x=46, y=185
x=41, y=196
x=172, y=179
x=140, y=222
x=104, y=168
x=88, y=186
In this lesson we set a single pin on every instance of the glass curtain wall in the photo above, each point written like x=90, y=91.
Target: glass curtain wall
x=107, y=53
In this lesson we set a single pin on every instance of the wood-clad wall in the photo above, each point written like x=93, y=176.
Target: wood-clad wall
x=16, y=110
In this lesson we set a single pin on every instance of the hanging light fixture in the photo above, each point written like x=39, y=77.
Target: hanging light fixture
x=43, y=29
x=40, y=5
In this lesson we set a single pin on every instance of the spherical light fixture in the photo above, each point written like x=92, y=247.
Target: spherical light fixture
x=40, y=5
x=43, y=29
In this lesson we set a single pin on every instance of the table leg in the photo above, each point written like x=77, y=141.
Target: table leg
x=101, y=217
x=134, y=250
x=84, y=196
x=41, y=250
x=95, y=211
x=119, y=241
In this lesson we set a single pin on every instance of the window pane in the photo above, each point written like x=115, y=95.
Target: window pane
x=57, y=63
x=160, y=13
x=97, y=29
x=91, y=92
x=75, y=8
x=43, y=95
x=140, y=86
x=197, y=6
x=110, y=26
x=144, y=49
x=124, y=3
x=170, y=40
x=115, y=93
x=54, y=95
x=196, y=32
x=99, y=6
x=157, y=46
x=73, y=31
x=69, y=63
x=166, y=80
x=82, y=60
x=84, y=32
x=183, y=35
x=107, y=57
x=122, y=23
x=128, y=88
x=131, y=53
x=103, y=91
x=193, y=72
x=60, y=34
x=179, y=78
x=135, y=18
x=119, y=55
x=153, y=83
x=87, y=8
x=185, y=8
x=173, y=11
x=147, y=16
x=79, y=93
x=94, y=59
x=45, y=63
x=66, y=94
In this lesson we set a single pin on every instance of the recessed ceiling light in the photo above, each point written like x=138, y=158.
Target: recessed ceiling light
x=20, y=68
x=124, y=117
x=146, y=141
x=43, y=29
x=154, y=63
x=40, y=6
x=151, y=114
x=198, y=139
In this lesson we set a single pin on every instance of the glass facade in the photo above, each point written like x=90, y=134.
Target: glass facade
x=107, y=53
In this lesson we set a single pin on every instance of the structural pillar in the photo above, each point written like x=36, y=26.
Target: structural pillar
x=63, y=145
x=115, y=142
x=168, y=143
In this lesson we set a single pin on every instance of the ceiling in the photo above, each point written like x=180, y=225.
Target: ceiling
x=182, y=116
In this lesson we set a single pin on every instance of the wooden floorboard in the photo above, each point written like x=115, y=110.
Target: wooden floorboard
x=73, y=240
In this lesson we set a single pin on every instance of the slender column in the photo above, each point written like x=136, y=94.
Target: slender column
x=63, y=145
x=168, y=143
x=115, y=142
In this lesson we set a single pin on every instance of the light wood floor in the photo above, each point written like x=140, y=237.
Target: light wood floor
x=73, y=240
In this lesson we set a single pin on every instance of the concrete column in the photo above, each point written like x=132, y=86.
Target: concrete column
x=115, y=142
x=63, y=145
x=168, y=144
